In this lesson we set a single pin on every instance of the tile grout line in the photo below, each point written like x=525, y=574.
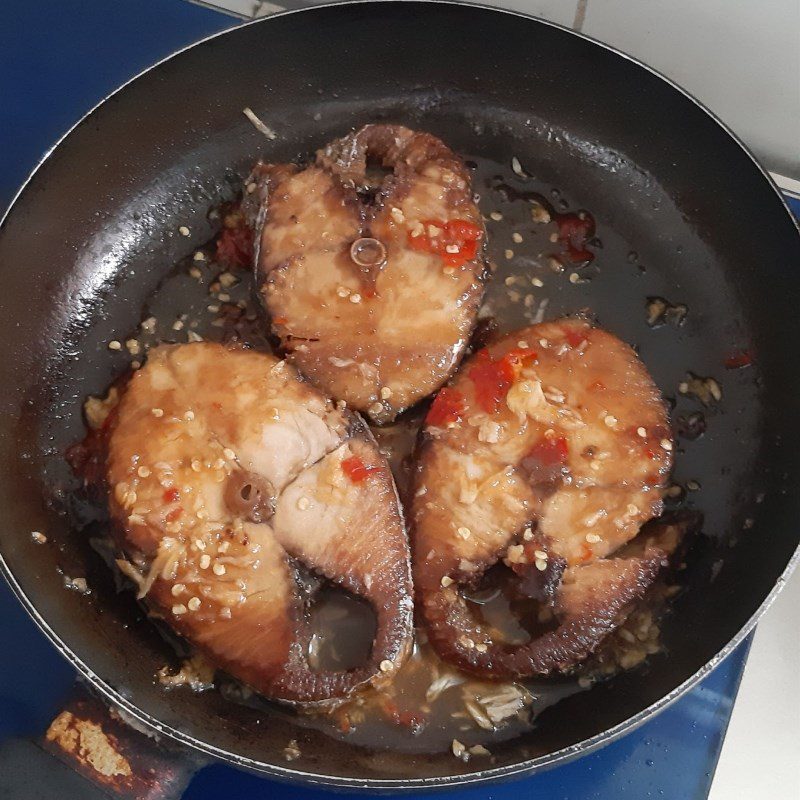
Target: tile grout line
x=580, y=15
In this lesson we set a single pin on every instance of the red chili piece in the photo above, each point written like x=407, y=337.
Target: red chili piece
x=575, y=338
x=343, y=721
x=447, y=407
x=171, y=495
x=493, y=379
x=545, y=463
x=738, y=360
x=455, y=241
x=235, y=243
x=408, y=719
x=174, y=514
x=521, y=357
x=574, y=233
x=549, y=452
x=356, y=469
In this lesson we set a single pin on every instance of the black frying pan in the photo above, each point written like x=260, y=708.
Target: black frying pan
x=683, y=212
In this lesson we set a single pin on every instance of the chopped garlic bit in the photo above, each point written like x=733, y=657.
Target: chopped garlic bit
x=516, y=554
x=97, y=409
x=526, y=399
x=468, y=492
x=517, y=168
x=291, y=751
x=489, y=431
x=706, y=390
x=540, y=214
x=442, y=684
x=76, y=585
x=494, y=707
x=197, y=673
x=592, y=520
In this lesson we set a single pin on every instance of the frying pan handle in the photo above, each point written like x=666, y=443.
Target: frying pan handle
x=90, y=753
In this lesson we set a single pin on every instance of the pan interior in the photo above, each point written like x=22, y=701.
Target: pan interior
x=682, y=213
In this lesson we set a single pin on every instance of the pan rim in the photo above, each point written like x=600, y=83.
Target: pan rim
x=521, y=768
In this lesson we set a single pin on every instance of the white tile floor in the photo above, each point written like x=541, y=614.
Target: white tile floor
x=742, y=59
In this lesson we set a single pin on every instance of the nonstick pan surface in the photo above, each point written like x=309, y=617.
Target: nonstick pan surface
x=683, y=212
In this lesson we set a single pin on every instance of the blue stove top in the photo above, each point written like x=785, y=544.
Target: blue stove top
x=59, y=58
